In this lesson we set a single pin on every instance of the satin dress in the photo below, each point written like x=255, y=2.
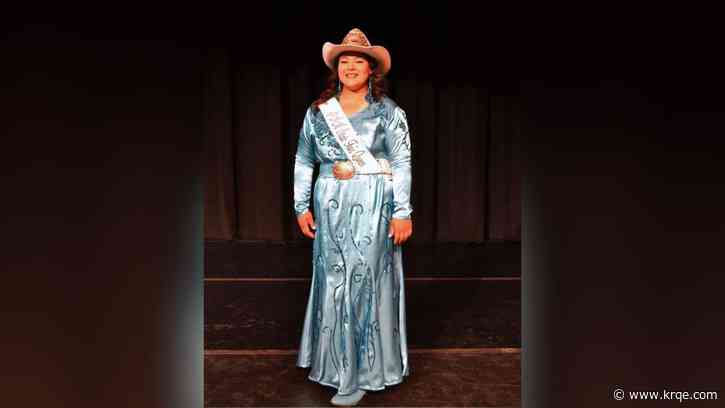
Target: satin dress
x=354, y=332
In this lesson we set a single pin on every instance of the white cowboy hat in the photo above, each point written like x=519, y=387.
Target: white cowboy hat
x=356, y=40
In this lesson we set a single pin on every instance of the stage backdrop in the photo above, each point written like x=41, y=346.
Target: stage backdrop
x=464, y=134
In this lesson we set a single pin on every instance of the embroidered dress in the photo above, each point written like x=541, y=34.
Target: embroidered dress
x=354, y=333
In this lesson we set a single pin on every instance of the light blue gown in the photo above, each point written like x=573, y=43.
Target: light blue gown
x=354, y=333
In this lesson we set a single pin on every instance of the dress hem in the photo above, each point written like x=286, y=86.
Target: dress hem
x=360, y=388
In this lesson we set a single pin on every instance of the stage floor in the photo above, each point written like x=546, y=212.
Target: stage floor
x=484, y=377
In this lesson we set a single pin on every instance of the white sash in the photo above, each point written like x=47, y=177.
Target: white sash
x=347, y=138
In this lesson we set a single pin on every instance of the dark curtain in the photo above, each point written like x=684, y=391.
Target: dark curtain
x=465, y=133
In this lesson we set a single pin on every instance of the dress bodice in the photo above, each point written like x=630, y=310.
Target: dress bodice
x=383, y=129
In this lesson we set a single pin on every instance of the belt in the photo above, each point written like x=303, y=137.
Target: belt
x=347, y=170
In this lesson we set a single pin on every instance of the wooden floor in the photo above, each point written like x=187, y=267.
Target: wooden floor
x=438, y=378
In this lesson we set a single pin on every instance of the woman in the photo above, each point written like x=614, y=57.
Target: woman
x=354, y=336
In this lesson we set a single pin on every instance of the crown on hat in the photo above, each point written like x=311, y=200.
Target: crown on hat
x=356, y=37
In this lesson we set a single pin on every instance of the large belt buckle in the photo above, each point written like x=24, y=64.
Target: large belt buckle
x=343, y=170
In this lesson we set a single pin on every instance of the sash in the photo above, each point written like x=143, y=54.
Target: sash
x=347, y=138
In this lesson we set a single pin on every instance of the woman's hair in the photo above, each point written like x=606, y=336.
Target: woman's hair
x=377, y=78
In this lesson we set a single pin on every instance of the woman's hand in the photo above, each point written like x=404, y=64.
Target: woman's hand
x=307, y=224
x=400, y=230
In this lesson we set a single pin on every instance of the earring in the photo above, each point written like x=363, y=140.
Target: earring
x=370, y=87
x=339, y=87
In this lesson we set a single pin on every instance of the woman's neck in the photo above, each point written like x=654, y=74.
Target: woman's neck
x=350, y=94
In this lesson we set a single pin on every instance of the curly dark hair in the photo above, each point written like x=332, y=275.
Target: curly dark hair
x=379, y=84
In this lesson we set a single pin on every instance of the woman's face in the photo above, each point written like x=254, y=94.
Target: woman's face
x=353, y=71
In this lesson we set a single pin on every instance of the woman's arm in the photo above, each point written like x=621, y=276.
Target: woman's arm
x=304, y=166
x=397, y=143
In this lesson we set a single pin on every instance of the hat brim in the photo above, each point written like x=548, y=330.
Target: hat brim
x=330, y=51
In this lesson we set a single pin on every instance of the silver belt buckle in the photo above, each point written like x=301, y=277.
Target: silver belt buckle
x=343, y=170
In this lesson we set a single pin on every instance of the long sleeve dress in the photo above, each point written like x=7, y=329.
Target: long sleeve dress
x=354, y=332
